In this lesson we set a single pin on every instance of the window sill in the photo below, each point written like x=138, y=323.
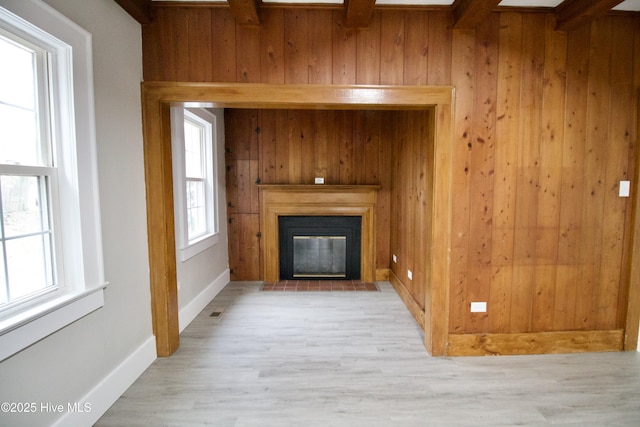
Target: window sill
x=198, y=246
x=22, y=330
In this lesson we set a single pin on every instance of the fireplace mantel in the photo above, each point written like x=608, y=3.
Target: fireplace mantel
x=321, y=200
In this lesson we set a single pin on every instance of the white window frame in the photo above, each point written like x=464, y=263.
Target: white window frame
x=77, y=222
x=186, y=248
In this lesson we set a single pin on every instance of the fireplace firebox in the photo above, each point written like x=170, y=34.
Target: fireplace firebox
x=320, y=247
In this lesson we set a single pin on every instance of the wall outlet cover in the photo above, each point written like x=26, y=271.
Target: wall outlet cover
x=478, y=307
x=625, y=187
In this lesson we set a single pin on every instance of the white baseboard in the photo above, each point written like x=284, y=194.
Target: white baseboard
x=95, y=403
x=191, y=310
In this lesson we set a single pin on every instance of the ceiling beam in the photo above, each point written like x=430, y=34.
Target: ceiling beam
x=140, y=10
x=469, y=13
x=245, y=12
x=571, y=13
x=358, y=12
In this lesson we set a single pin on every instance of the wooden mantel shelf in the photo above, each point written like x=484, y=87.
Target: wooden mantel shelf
x=330, y=188
x=321, y=199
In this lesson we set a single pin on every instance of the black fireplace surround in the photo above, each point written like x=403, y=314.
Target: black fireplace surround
x=319, y=247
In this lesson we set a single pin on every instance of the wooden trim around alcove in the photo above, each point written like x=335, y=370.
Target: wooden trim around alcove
x=157, y=97
x=319, y=200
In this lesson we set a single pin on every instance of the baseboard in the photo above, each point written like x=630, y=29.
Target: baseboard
x=382, y=274
x=94, y=404
x=416, y=311
x=535, y=343
x=191, y=310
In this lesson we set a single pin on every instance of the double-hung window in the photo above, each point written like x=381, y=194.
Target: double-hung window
x=28, y=174
x=194, y=138
x=51, y=270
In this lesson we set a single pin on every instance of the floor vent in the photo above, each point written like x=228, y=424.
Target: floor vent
x=216, y=314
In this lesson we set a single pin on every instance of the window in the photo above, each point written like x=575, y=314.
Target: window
x=50, y=248
x=27, y=174
x=194, y=132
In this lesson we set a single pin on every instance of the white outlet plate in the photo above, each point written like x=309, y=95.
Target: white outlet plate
x=410, y=274
x=479, y=307
x=319, y=180
x=395, y=258
x=625, y=186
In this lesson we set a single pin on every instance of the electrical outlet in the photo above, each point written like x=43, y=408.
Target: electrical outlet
x=395, y=258
x=319, y=180
x=410, y=274
x=624, y=188
x=478, y=307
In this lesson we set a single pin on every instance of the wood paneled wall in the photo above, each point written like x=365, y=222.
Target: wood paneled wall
x=545, y=128
x=294, y=147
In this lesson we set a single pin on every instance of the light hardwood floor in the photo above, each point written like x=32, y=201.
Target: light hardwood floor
x=357, y=359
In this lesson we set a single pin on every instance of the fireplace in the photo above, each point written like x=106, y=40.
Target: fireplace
x=281, y=201
x=319, y=247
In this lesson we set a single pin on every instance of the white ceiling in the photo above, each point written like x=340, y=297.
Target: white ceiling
x=632, y=5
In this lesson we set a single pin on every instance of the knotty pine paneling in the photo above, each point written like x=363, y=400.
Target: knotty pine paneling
x=293, y=147
x=545, y=127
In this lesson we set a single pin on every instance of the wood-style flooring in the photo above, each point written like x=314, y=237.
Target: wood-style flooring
x=357, y=359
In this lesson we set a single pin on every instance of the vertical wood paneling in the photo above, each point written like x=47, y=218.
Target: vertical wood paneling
x=272, y=47
x=439, y=63
x=417, y=48
x=545, y=126
x=594, y=172
x=568, y=273
x=481, y=149
x=550, y=179
x=506, y=149
x=463, y=78
x=618, y=167
x=296, y=49
x=527, y=180
x=223, y=39
x=368, y=52
x=392, y=45
x=343, y=51
x=248, y=54
x=199, y=38
x=320, y=46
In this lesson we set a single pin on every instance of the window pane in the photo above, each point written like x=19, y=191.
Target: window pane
x=196, y=212
x=193, y=150
x=28, y=265
x=26, y=238
x=19, y=123
x=18, y=136
x=17, y=85
x=23, y=209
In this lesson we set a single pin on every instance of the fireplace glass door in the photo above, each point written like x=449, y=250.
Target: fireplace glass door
x=319, y=247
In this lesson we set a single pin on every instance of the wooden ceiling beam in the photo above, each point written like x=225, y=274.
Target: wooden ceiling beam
x=469, y=13
x=571, y=14
x=245, y=12
x=140, y=10
x=358, y=12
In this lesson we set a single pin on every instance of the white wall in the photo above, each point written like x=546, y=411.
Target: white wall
x=93, y=360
